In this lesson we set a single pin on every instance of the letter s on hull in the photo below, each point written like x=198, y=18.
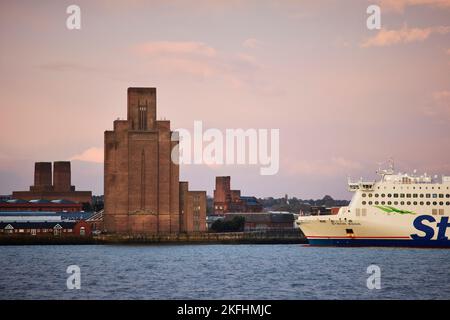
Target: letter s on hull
x=418, y=224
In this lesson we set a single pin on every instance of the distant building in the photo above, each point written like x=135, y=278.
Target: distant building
x=5, y=197
x=211, y=219
x=96, y=221
x=40, y=205
x=264, y=220
x=78, y=228
x=142, y=189
x=227, y=200
x=43, y=223
x=192, y=209
x=60, y=188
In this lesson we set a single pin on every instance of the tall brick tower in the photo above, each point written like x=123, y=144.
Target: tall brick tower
x=42, y=177
x=141, y=182
x=62, y=176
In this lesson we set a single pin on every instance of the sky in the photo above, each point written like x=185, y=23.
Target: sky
x=345, y=98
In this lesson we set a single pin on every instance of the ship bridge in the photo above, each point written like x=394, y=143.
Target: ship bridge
x=361, y=185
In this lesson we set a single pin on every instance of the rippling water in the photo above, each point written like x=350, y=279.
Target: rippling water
x=222, y=272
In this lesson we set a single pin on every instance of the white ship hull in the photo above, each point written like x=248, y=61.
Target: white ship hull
x=392, y=230
x=398, y=210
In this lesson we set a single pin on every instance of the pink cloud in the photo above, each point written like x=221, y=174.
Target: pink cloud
x=252, y=43
x=175, y=48
x=199, y=60
x=400, y=5
x=93, y=154
x=404, y=35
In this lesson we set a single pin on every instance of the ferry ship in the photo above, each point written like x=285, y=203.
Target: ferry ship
x=398, y=210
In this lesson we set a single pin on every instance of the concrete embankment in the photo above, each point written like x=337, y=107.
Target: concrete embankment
x=252, y=237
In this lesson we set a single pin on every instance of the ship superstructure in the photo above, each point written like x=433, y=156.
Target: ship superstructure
x=398, y=210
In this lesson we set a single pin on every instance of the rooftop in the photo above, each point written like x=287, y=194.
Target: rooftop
x=38, y=201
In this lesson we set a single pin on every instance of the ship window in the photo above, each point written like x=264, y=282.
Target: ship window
x=370, y=195
x=402, y=195
x=363, y=202
x=383, y=195
x=408, y=203
x=434, y=203
x=447, y=195
x=349, y=231
x=376, y=202
x=408, y=195
x=389, y=202
x=434, y=212
x=448, y=203
x=434, y=195
x=363, y=194
x=395, y=195
x=421, y=195
x=389, y=195
x=415, y=203
x=441, y=212
x=402, y=202
x=370, y=203
x=376, y=195
x=428, y=203
x=414, y=195
x=441, y=203
x=428, y=195
x=395, y=202
x=421, y=203
x=441, y=195
x=383, y=203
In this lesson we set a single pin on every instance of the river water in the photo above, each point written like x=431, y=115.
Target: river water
x=222, y=272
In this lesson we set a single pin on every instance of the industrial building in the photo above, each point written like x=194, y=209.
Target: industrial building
x=227, y=200
x=58, y=188
x=40, y=205
x=192, y=209
x=43, y=223
x=142, y=190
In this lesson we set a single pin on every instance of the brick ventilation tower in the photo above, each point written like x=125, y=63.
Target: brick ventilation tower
x=42, y=177
x=141, y=182
x=60, y=189
x=62, y=176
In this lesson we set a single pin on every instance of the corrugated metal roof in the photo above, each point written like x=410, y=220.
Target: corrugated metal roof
x=63, y=201
x=16, y=201
x=39, y=201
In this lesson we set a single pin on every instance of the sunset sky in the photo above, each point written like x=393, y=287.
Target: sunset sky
x=344, y=97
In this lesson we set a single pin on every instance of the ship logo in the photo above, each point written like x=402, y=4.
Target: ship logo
x=389, y=209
